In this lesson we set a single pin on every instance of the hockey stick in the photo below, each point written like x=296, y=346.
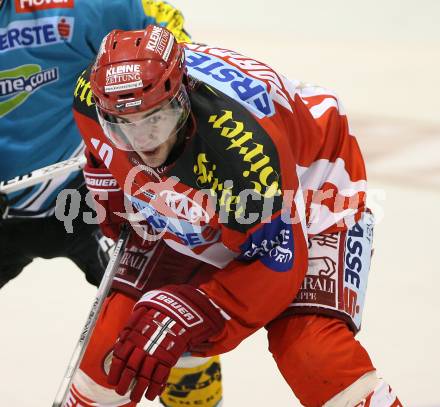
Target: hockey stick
x=42, y=174
x=103, y=290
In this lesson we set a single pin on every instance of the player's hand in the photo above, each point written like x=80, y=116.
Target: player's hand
x=164, y=324
x=108, y=196
x=111, y=207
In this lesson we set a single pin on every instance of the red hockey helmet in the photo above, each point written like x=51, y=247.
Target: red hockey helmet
x=137, y=83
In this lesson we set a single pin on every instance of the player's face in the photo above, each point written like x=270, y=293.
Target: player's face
x=151, y=133
x=156, y=157
x=152, y=149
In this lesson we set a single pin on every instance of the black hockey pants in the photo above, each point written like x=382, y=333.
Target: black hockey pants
x=24, y=239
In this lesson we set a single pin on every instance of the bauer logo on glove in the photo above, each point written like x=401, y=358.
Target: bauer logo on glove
x=176, y=306
x=163, y=326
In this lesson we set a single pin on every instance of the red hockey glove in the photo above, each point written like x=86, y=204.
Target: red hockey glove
x=164, y=324
x=107, y=194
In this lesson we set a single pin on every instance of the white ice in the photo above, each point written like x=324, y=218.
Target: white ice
x=382, y=58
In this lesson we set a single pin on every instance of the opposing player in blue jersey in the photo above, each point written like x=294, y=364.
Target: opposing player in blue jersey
x=44, y=46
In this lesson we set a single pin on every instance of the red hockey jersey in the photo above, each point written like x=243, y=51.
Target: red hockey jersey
x=272, y=162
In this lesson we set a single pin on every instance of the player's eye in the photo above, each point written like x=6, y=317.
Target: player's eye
x=154, y=119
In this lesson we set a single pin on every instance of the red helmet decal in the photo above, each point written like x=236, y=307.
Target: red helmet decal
x=122, y=77
x=161, y=42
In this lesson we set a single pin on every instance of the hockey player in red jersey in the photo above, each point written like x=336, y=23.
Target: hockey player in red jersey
x=246, y=193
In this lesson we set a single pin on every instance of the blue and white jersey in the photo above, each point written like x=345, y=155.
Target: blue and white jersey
x=44, y=46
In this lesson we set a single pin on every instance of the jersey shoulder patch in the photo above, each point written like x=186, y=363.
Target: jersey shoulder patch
x=253, y=84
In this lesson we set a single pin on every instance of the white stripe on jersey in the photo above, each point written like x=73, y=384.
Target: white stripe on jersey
x=306, y=90
x=309, y=91
x=321, y=218
x=323, y=170
x=318, y=110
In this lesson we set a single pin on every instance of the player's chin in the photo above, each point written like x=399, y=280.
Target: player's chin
x=154, y=158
